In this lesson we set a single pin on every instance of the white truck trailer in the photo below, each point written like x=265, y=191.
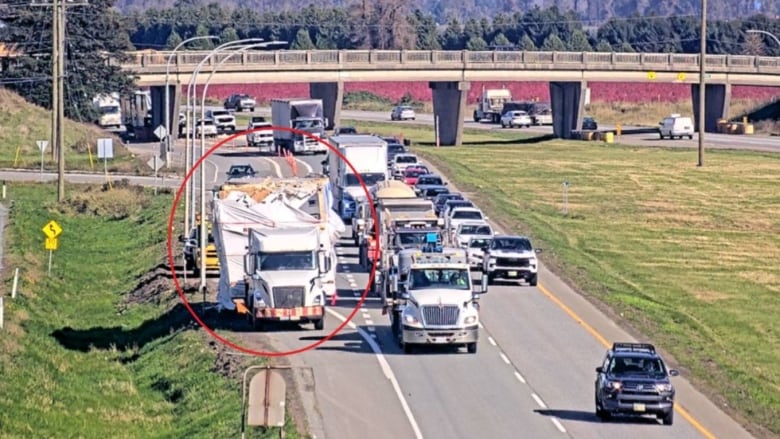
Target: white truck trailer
x=275, y=241
x=368, y=156
x=303, y=114
x=490, y=104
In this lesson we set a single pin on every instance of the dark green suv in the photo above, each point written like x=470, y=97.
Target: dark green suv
x=634, y=380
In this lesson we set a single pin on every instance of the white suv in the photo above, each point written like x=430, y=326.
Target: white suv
x=676, y=126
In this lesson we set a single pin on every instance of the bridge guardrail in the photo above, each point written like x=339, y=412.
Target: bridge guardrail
x=437, y=59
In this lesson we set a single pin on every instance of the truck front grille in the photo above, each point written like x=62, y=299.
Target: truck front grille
x=512, y=262
x=288, y=297
x=446, y=315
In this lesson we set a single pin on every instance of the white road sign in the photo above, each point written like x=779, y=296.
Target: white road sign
x=42, y=144
x=105, y=148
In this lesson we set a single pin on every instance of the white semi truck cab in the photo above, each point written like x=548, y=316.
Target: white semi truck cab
x=284, y=270
x=433, y=298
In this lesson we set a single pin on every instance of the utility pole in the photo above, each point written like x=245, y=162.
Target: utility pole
x=702, y=75
x=58, y=85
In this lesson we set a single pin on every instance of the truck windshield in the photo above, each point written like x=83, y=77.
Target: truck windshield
x=422, y=279
x=111, y=109
x=286, y=261
x=307, y=123
x=369, y=179
x=469, y=229
x=412, y=238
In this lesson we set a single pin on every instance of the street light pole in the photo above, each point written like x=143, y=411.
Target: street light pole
x=168, y=120
x=763, y=32
x=702, y=74
x=203, y=231
x=190, y=132
x=190, y=114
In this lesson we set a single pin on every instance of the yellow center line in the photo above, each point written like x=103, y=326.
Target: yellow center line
x=601, y=339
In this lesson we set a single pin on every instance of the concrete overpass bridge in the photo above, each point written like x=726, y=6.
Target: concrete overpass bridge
x=449, y=74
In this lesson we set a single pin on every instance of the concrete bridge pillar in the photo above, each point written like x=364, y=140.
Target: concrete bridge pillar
x=332, y=95
x=567, y=100
x=716, y=105
x=158, y=107
x=449, y=106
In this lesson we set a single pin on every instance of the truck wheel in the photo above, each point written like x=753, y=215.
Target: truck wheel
x=257, y=324
x=491, y=278
x=476, y=118
x=408, y=349
x=668, y=417
x=533, y=279
x=319, y=324
x=471, y=348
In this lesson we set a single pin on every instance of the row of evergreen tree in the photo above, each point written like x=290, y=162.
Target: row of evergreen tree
x=374, y=27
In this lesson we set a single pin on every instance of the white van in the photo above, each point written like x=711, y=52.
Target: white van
x=676, y=126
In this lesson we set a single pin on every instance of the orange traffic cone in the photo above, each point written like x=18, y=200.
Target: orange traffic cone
x=333, y=299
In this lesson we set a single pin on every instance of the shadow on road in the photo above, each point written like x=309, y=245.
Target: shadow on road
x=585, y=416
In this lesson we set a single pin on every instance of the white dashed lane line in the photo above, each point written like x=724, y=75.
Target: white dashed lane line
x=539, y=400
x=504, y=358
x=519, y=377
x=490, y=339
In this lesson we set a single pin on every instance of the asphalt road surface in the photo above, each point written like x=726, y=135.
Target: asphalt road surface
x=533, y=374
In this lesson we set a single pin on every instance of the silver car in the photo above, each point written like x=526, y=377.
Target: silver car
x=402, y=112
x=515, y=118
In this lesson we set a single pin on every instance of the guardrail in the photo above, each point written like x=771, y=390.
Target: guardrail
x=143, y=61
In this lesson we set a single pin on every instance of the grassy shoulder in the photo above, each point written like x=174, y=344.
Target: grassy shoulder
x=23, y=124
x=684, y=255
x=101, y=347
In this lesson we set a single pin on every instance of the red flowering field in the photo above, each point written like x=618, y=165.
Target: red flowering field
x=419, y=91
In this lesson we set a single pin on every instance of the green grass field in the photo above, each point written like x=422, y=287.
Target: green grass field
x=686, y=255
x=102, y=348
x=23, y=124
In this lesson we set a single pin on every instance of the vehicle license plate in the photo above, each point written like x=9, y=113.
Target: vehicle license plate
x=512, y=274
x=639, y=407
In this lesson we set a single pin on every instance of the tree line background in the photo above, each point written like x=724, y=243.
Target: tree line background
x=100, y=32
x=392, y=24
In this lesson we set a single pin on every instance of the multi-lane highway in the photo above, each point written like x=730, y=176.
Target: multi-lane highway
x=533, y=375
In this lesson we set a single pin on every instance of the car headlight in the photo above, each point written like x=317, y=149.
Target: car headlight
x=614, y=385
x=410, y=319
x=664, y=387
x=470, y=320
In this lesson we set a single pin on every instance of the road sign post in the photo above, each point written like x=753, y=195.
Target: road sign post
x=267, y=395
x=105, y=152
x=155, y=164
x=51, y=230
x=162, y=133
x=42, y=144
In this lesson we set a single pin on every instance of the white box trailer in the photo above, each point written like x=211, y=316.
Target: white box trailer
x=368, y=156
x=304, y=114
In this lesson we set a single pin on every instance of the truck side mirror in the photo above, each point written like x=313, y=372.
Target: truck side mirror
x=484, y=283
x=249, y=263
x=393, y=283
x=324, y=262
x=537, y=250
x=182, y=238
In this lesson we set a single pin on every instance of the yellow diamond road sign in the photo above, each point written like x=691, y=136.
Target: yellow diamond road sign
x=52, y=229
x=681, y=76
x=52, y=243
x=651, y=75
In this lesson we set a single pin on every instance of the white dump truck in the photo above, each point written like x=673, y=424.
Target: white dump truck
x=302, y=114
x=490, y=104
x=275, y=241
x=433, y=300
x=368, y=156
